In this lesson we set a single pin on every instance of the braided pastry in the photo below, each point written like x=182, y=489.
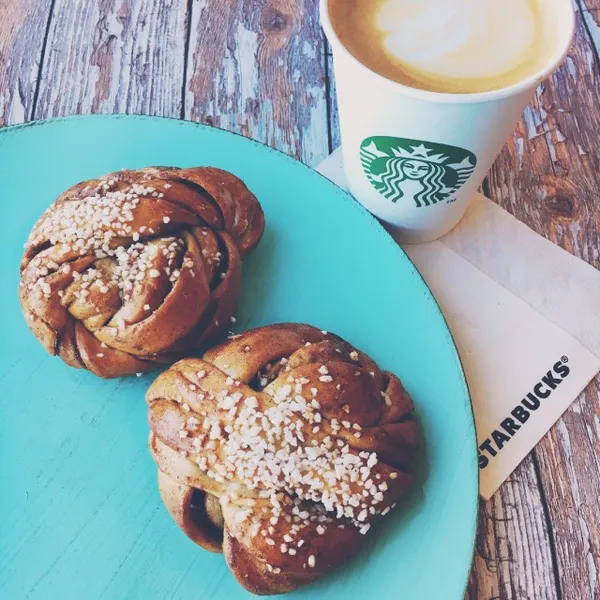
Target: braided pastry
x=138, y=267
x=280, y=448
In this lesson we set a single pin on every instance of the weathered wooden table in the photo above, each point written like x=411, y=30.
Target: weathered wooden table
x=263, y=68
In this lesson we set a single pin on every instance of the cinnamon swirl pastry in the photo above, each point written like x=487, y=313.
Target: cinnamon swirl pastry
x=138, y=267
x=280, y=448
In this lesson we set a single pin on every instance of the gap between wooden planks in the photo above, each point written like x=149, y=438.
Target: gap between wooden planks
x=261, y=68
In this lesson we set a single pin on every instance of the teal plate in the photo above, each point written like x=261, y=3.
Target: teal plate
x=80, y=515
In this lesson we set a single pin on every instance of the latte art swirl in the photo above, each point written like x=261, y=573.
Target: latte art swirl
x=460, y=38
x=452, y=46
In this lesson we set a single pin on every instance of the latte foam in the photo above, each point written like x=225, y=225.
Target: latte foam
x=454, y=46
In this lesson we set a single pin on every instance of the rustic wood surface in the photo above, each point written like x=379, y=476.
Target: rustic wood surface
x=263, y=68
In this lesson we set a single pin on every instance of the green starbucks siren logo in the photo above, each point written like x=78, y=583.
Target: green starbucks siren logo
x=425, y=172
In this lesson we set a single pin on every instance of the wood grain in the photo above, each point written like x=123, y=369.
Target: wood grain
x=513, y=559
x=590, y=12
x=114, y=56
x=22, y=32
x=332, y=105
x=257, y=67
x=569, y=468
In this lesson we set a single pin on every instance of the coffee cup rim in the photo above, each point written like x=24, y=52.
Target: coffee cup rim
x=445, y=97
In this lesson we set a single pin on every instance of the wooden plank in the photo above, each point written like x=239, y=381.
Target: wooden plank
x=590, y=11
x=106, y=56
x=334, y=120
x=513, y=558
x=258, y=68
x=549, y=176
x=22, y=32
x=569, y=460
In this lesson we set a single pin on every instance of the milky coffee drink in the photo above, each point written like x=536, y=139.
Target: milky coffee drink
x=450, y=46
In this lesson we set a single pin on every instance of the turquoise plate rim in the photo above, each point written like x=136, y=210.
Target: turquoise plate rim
x=370, y=219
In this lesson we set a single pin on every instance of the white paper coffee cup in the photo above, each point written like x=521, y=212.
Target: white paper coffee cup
x=438, y=146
